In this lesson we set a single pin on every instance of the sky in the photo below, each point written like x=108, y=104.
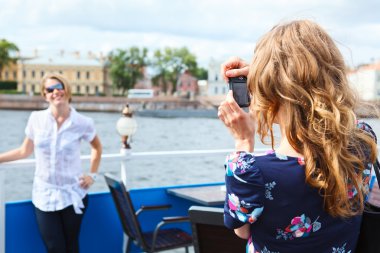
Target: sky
x=210, y=29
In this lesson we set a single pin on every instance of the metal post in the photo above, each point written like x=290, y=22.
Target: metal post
x=2, y=212
x=125, y=156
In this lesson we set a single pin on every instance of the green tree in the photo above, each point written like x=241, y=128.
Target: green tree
x=6, y=50
x=127, y=67
x=201, y=74
x=168, y=65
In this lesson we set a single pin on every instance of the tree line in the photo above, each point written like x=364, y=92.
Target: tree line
x=127, y=66
x=7, y=48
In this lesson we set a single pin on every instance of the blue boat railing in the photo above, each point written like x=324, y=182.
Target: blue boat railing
x=124, y=156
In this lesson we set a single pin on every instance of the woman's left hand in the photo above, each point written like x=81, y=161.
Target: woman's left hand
x=86, y=181
x=240, y=123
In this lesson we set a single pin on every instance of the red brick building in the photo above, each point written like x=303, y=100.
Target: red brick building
x=187, y=85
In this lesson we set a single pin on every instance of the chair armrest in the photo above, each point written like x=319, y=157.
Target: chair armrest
x=172, y=219
x=167, y=220
x=152, y=208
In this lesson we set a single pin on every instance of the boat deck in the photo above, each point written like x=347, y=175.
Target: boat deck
x=101, y=229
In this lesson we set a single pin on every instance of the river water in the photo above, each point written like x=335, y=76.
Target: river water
x=153, y=134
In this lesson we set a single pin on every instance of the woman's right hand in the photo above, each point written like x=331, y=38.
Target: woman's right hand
x=234, y=67
x=240, y=123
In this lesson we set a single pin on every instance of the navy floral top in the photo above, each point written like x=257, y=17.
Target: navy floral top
x=270, y=191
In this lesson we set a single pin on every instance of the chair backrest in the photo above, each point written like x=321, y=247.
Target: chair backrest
x=209, y=233
x=125, y=209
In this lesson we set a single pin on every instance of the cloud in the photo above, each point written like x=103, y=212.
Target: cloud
x=209, y=28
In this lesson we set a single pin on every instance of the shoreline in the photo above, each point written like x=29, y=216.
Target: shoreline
x=165, y=107
x=107, y=104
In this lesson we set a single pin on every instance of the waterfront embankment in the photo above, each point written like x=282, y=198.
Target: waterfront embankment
x=107, y=104
x=155, y=107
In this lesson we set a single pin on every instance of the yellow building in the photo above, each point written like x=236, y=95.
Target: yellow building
x=87, y=74
x=9, y=73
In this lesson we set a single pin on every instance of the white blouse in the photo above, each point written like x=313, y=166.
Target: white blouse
x=58, y=164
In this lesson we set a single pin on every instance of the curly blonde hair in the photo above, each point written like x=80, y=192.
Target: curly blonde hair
x=298, y=67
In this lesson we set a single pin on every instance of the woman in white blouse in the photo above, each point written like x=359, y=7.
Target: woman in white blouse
x=60, y=186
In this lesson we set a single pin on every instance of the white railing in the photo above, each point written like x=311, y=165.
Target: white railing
x=123, y=157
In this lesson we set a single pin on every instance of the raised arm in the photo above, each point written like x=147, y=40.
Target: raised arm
x=240, y=123
x=25, y=150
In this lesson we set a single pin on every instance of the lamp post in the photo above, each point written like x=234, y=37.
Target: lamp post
x=126, y=126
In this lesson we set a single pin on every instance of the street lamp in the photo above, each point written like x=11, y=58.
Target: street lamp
x=126, y=126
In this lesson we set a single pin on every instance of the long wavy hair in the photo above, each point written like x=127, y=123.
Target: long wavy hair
x=298, y=67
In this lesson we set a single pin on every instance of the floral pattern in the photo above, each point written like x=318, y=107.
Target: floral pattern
x=243, y=210
x=352, y=191
x=238, y=160
x=300, y=226
x=340, y=250
x=239, y=209
x=301, y=161
x=253, y=181
x=281, y=156
x=265, y=250
x=251, y=248
x=268, y=190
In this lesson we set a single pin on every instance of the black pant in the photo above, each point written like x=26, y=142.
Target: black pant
x=60, y=229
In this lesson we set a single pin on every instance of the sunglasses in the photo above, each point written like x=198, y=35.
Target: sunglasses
x=57, y=86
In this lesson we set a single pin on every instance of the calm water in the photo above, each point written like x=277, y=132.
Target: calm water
x=153, y=134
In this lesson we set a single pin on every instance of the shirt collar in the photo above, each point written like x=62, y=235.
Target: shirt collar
x=68, y=122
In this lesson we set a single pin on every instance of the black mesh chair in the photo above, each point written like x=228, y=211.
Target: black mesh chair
x=152, y=241
x=209, y=233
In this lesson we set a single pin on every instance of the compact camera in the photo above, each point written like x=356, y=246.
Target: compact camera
x=239, y=88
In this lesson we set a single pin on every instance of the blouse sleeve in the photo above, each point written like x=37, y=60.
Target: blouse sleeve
x=90, y=132
x=29, y=126
x=369, y=178
x=245, y=190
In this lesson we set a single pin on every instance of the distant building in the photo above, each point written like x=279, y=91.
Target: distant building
x=366, y=81
x=202, y=87
x=187, y=85
x=145, y=82
x=9, y=73
x=217, y=87
x=87, y=74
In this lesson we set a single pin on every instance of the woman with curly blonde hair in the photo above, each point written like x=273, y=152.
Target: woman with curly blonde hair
x=306, y=195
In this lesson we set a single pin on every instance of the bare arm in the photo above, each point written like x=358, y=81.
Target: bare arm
x=243, y=232
x=96, y=153
x=25, y=150
x=240, y=124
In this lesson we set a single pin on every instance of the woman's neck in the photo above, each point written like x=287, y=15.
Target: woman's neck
x=60, y=114
x=285, y=148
